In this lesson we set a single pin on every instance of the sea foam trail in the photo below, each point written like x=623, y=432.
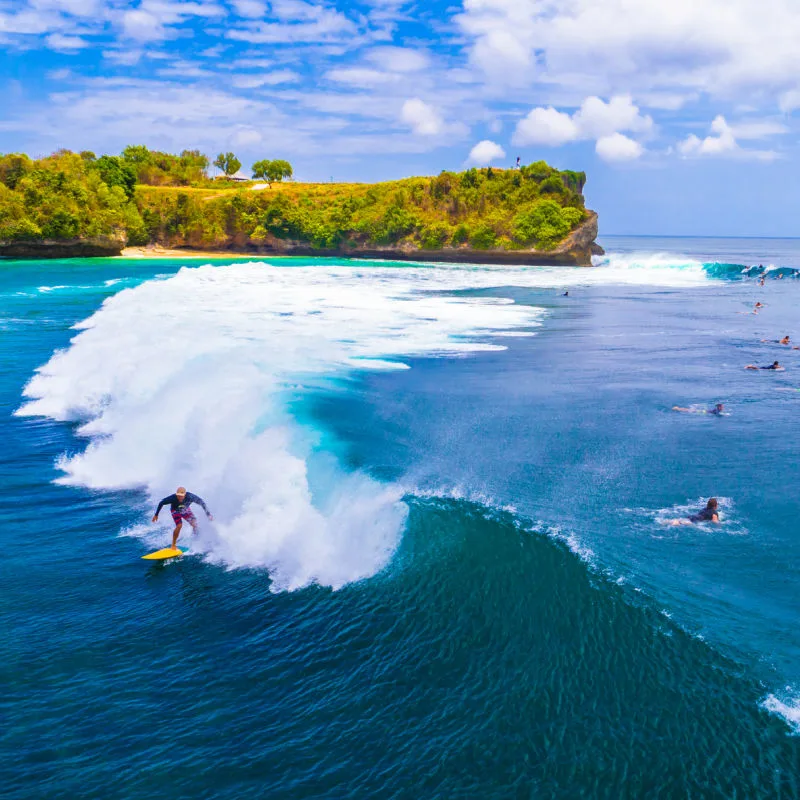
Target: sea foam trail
x=189, y=380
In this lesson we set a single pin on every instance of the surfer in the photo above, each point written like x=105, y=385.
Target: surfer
x=774, y=365
x=709, y=514
x=717, y=411
x=180, y=508
x=785, y=340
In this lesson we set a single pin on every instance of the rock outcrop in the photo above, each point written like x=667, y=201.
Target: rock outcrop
x=576, y=250
x=68, y=248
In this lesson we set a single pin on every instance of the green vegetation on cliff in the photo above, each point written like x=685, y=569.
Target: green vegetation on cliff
x=145, y=196
x=65, y=197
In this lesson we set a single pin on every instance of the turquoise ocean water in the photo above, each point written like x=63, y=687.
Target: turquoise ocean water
x=438, y=566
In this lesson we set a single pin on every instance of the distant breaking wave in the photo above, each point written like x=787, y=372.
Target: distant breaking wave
x=658, y=262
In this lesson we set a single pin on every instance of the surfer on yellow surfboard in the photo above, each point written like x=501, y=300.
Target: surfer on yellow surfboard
x=180, y=508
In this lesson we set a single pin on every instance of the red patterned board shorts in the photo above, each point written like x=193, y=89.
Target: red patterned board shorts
x=179, y=516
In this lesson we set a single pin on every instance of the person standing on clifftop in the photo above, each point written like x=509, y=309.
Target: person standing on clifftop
x=517, y=165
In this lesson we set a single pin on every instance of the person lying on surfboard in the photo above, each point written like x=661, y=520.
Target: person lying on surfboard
x=180, y=507
x=709, y=514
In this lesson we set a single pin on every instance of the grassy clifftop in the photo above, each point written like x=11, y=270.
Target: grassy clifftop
x=69, y=197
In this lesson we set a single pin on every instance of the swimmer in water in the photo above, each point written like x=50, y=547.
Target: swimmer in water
x=761, y=281
x=785, y=340
x=566, y=294
x=709, y=514
x=717, y=411
x=774, y=365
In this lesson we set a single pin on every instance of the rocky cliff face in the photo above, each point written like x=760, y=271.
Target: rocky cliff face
x=74, y=248
x=576, y=250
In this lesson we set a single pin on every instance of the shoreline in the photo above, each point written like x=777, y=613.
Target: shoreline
x=155, y=251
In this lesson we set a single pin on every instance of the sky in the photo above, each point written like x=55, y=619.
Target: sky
x=682, y=113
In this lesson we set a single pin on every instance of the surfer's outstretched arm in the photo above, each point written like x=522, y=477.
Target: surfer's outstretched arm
x=166, y=501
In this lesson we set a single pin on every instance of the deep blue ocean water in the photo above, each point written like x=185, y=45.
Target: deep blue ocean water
x=439, y=565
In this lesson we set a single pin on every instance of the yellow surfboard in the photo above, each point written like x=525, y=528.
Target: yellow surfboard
x=167, y=552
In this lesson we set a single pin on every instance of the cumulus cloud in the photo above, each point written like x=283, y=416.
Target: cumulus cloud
x=714, y=46
x=484, y=153
x=595, y=119
x=720, y=142
x=422, y=118
x=618, y=147
x=546, y=126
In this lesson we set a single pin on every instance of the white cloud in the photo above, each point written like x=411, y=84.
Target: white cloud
x=757, y=129
x=546, y=126
x=246, y=137
x=251, y=9
x=484, y=153
x=721, y=142
x=618, y=147
x=299, y=23
x=65, y=44
x=151, y=20
x=362, y=77
x=250, y=63
x=125, y=58
x=716, y=46
x=423, y=119
x=595, y=119
x=142, y=26
x=789, y=101
x=398, y=59
x=268, y=79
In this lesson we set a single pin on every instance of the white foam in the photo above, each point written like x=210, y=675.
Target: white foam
x=658, y=269
x=788, y=711
x=188, y=379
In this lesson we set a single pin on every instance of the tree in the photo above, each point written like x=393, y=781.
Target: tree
x=260, y=169
x=116, y=172
x=137, y=154
x=228, y=163
x=272, y=171
x=280, y=169
x=13, y=167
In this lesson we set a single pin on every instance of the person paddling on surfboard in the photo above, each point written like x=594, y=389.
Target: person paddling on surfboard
x=180, y=507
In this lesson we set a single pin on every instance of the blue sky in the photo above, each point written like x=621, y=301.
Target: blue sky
x=681, y=112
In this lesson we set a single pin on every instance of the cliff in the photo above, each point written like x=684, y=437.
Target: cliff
x=79, y=205
x=97, y=247
x=576, y=250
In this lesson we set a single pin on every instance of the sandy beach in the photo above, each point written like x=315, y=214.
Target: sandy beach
x=155, y=251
